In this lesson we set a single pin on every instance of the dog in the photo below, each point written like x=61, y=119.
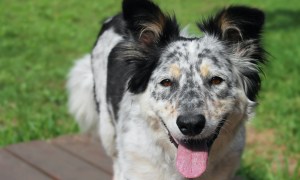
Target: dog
x=168, y=105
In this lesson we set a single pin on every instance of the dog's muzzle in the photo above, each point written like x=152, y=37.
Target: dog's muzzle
x=192, y=153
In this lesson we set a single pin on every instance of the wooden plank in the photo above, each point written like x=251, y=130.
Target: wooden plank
x=55, y=162
x=12, y=168
x=86, y=148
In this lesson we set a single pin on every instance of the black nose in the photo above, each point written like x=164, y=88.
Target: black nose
x=191, y=125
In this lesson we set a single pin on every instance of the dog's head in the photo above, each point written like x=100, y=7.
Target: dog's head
x=193, y=85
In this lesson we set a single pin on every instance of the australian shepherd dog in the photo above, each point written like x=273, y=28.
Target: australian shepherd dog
x=168, y=105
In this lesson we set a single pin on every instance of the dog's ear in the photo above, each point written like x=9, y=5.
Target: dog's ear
x=235, y=24
x=151, y=30
x=240, y=28
x=148, y=24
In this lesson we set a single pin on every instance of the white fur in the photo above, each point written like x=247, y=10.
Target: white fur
x=139, y=155
x=81, y=101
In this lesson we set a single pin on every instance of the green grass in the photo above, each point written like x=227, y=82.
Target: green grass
x=39, y=40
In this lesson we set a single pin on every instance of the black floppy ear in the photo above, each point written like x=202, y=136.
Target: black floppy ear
x=235, y=24
x=148, y=24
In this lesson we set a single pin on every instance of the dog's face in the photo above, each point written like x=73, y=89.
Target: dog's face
x=194, y=88
x=193, y=85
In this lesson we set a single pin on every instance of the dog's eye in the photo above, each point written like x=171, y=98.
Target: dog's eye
x=166, y=83
x=216, y=80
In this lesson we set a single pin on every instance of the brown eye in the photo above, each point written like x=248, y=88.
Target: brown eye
x=216, y=80
x=166, y=83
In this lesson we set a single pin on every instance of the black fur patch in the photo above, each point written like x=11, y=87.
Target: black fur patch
x=136, y=65
x=141, y=70
x=116, y=81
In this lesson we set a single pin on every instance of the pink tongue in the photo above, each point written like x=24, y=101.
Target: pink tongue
x=192, y=163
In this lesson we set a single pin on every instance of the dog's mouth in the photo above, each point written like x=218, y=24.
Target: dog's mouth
x=192, y=154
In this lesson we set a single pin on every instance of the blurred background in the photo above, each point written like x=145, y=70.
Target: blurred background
x=40, y=39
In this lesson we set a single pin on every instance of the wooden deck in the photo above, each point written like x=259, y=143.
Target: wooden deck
x=68, y=157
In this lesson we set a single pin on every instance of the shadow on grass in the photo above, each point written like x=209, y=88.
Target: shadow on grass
x=282, y=19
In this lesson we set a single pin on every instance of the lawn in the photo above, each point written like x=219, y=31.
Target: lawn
x=40, y=39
